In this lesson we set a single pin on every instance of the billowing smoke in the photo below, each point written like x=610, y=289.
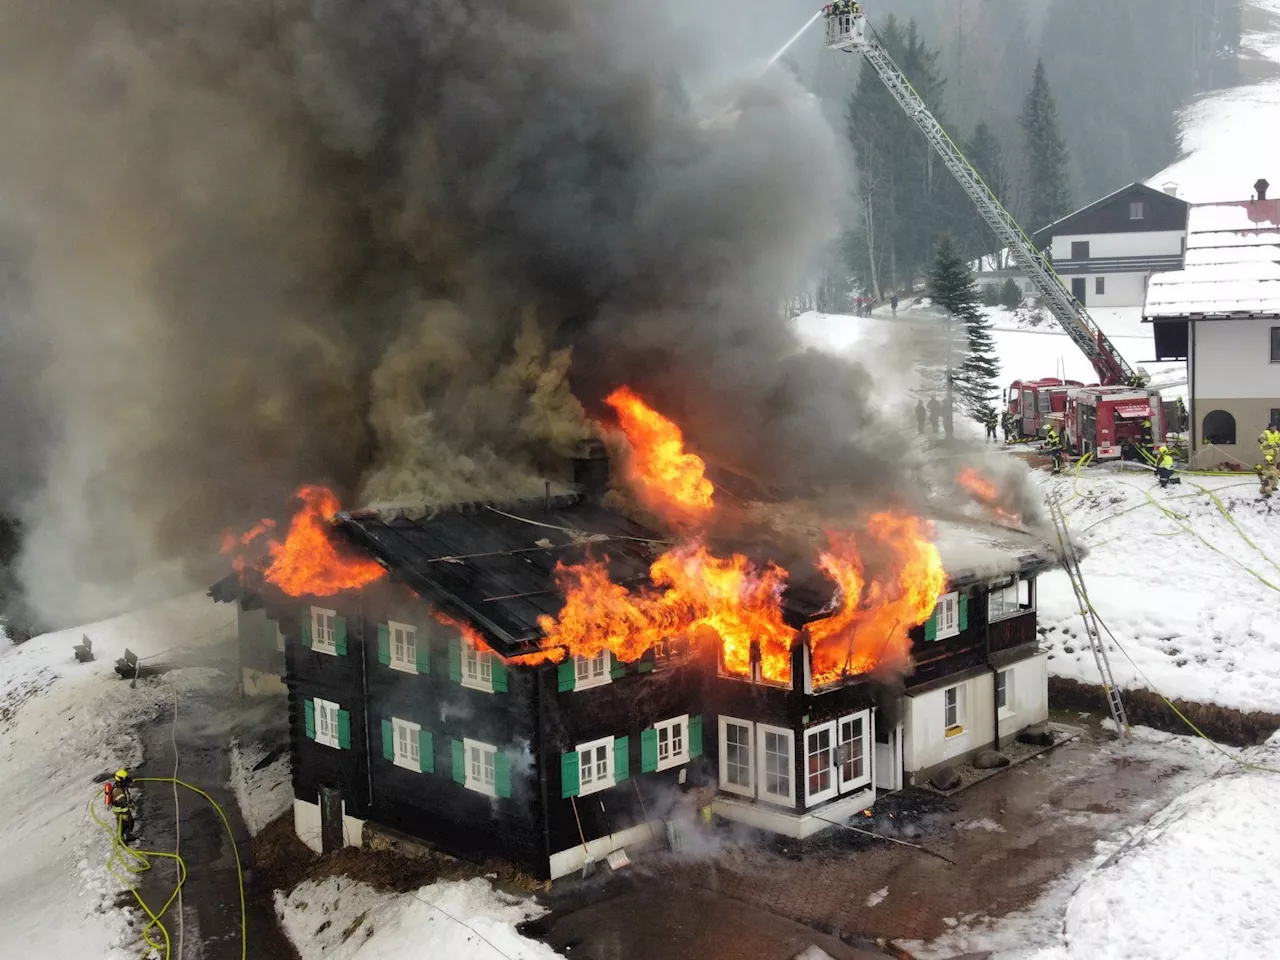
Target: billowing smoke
x=399, y=247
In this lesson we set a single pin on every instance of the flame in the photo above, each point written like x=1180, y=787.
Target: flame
x=986, y=493
x=662, y=474
x=475, y=639
x=870, y=625
x=307, y=563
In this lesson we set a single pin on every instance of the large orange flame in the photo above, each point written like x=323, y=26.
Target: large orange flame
x=986, y=493
x=869, y=628
x=661, y=473
x=307, y=562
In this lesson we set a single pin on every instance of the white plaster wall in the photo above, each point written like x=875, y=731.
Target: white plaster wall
x=1233, y=361
x=925, y=740
x=1030, y=695
x=1122, y=289
x=565, y=862
x=256, y=683
x=306, y=823
x=1159, y=243
x=352, y=829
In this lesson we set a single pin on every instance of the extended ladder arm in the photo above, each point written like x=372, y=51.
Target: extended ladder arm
x=849, y=31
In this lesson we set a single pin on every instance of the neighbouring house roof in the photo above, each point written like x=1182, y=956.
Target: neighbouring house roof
x=1086, y=219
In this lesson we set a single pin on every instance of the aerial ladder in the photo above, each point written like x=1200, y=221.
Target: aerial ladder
x=848, y=31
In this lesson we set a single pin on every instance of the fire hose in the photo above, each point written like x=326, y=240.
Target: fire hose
x=127, y=863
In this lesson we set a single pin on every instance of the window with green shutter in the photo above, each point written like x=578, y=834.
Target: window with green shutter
x=648, y=750
x=498, y=674
x=340, y=636
x=309, y=718
x=304, y=623
x=459, y=761
x=621, y=758
x=569, y=774
x=384, y=644
x=388, y=741
x=422, y=652
x=455, y=661
x=501, y=774
x=931, y=626
x=618, y=669
x=344, y=729
x=695, y=737
x=426, y=752
x=566, y=675
x=964, y=613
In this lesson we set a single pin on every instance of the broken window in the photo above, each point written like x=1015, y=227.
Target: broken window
x=673, y=748
x=595, y=766
x=1009, y=599
x=671, y=651
x=480, y=767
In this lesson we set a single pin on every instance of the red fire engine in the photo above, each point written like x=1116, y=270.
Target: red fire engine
x=1108, y=421
x=1030, y=402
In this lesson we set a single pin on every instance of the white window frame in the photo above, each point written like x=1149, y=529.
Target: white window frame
x=477, y=668
x=588, y=672
x=947, y=613
x=960, y=715
x=407, y=634
x=749, y=789
x=998, y=599
x=1137, y=210
x=826, y=756
x=845, y=725
x=326, y=717
x=1005, y=709
x=324, y=637
x=677, y=736
x=406, y=735
x=598, y=779
x=762, y=767
x=480, y=766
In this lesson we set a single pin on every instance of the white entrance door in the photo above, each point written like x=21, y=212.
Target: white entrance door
x=888, y=755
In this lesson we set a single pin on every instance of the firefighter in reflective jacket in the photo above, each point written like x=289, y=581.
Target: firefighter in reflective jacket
x=1269, y=475
x=117, y=794
x=1164, y=467
x=1006, y=424
x=1269, y=440
x=1148, y=440
x=1053, y=444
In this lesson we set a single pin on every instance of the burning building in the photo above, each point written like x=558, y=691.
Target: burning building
x=542, y=680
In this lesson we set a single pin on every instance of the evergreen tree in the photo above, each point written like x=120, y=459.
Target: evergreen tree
x=974, y=380
x=1048, y=193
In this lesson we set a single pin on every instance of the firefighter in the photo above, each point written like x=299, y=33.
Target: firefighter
x=1269, y=440
x=935, y=410
x=1053, y=445
x=1148, y=441
x=1164, y=467
x=989, y=421
x=117, y=794
x=920, y=416
x=1006, y=425
x=1269, y=475
x=1182, y=416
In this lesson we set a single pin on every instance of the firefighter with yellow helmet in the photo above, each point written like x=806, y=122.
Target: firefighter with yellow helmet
x=1164, y=467
x=117, y=793
x=1269, y=475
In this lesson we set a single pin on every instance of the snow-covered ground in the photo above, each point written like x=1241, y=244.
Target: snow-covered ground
x=63, y=726
x=449, y=919
x=263, y=794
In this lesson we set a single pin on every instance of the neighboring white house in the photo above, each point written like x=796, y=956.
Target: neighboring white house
x=1107, y=252
x=1221, y=314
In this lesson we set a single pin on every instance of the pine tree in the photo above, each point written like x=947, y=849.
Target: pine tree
x=974, y=382
x=1048, y=193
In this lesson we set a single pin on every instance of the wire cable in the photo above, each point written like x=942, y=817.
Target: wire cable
x=177, y=818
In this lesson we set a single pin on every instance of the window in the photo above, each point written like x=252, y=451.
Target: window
x=279, y=638
x=1137, y=211
x=595, y=766
x=592, y=671
x=1275, y=415
x=477, y=668
x=404, y=647
x=1219, y=427
x=820, y=774
x=775, y=763
x=946, y=617
x=1275, y=344
x=673, y=742
x=326, y=723
x=736, y=767
x=1009, y=599
x=953, y=710
x=324, y=630
x=1079, y=249
x=480, y=767
x=1099, y=285
x=853, y=752
x=407, y=739
x=1004, y=692
x=671, y=651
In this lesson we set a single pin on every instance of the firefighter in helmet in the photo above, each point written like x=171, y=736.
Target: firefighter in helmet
x=1164, y=467
x=118, y=795
x=1269, y=475
x=1148, y=441
x=989, y=420
x=1053, y=446
x=1269, y=440
x=1006, y=424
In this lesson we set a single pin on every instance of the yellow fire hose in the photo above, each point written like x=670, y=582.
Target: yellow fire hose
x=126, y=863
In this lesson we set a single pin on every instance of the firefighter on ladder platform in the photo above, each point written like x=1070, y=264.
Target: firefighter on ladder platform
x=117, y=794
x=1053, y=446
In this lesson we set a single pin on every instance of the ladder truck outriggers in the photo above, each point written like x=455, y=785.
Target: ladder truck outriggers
x=1105, y=420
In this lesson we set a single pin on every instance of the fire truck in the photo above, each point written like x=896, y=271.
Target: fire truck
x=1120, y=388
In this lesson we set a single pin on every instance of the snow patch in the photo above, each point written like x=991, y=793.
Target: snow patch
x=263, y=794
x=986, y=823
x=877, y=897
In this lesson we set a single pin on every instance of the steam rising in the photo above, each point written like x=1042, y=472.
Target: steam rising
x=383, y=245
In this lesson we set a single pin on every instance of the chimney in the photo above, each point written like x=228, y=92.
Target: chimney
x=591, y=469
x=1171, y=189
x=1261, y=187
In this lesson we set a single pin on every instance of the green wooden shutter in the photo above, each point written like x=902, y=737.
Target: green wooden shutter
x=422, y=651
x=344, y=729
x=305, y=624
x=388, y=741
x=963, y=614
x=569, y=774
x=455, y=659
x=695, y=737
x=621, y=758
x=384, y=644
x=501, y=774
x=426, y=752
x=618, y=668
x=567, y=677
x=499, y=673
x=648, y=750
x=309, y=718
x=645, y=665
x=931, y=626
x=459, y=761
x=340, y=635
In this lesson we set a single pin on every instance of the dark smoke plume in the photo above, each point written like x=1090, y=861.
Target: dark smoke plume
x=399, y=247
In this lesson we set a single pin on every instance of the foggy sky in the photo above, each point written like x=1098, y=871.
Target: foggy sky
x=400, y=248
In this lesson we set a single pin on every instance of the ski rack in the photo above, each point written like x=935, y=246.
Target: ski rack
x=1071, y=565
x=850, y=33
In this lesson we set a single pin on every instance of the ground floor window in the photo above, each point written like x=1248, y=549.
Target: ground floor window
x=853, y=752
x=757, y=760
x=736, y=767
x=953, y=710
x=776, y=766
x=1004, y=691
x=819, y=751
